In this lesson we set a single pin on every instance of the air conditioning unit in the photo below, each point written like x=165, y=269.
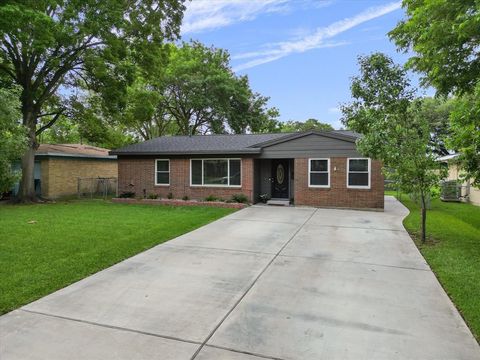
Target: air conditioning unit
x=450, y=191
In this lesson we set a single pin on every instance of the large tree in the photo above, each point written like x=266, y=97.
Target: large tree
x=191, y=89
x=465, y=134
x=50, y=47
x=146, y=114
x=436, y=111
x=202, y=94
x=198, y=84
x=84, y=122
x=384, y=110
x=12, y=136
x=444, y=36
x=309, y=124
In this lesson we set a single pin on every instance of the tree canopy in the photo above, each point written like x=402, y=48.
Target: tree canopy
x=191, y=89
x=12, y=137
x=436, y=112
x=444, y=36
x=50, y=47
x=465, y=134
x=309, y=124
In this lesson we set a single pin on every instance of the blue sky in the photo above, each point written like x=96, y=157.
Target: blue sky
x=300, y=53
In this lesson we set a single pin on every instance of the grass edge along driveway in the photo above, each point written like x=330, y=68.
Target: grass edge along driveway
x=452, y=250
x=45, y=247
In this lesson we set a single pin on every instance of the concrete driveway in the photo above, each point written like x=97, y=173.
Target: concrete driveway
x=262, y=283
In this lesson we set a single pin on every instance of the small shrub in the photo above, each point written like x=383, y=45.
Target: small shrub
x=127, y=194
x=170, y=195
x=153, y=196
x=211, y=198
x=185, y=198
x=435, y=191
x=240, y=198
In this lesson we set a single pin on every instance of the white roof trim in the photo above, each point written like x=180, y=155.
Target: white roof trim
x=109, y=157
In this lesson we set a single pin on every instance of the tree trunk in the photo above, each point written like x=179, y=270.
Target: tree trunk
x=27, y=186
x=424, y=218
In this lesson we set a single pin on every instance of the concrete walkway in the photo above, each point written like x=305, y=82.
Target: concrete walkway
x=262, y=283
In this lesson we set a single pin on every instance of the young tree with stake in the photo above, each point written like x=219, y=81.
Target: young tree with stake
x=386, y=113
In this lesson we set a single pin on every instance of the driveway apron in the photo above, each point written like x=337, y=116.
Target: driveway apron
x=264, y=282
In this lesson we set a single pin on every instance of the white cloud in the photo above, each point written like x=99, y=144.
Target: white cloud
x=202, y=15
x=315, y=40
x=263, y=57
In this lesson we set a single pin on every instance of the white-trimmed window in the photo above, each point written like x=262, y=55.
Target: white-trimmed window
x=162, y=172
x=215, y=172
x=358, y=173
x=319, y=173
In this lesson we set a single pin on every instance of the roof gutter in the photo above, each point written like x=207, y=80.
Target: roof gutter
x=179, y=153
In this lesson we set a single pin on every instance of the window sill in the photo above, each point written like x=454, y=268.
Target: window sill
x=359, y=187
x=319, y=186
x=162, y=185
x=218, y=186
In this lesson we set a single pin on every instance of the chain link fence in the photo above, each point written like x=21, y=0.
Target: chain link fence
x=99, y=187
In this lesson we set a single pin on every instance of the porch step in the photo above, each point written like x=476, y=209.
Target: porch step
x=279, y=202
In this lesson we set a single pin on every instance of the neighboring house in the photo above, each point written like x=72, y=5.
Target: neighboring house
x=58, y=167
x=468, y=192
x=311, y=168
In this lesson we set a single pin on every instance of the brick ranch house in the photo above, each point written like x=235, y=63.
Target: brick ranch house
x=322, y=169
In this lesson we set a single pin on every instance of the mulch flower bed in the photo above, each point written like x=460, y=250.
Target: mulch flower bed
x=177, y=202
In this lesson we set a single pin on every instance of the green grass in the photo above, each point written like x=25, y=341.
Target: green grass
x=68, y=241
x=452, y=251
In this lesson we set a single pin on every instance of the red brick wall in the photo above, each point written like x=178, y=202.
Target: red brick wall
x=338, y=195
x=138, y=173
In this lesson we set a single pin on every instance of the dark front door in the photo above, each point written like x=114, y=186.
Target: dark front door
x=281, y=179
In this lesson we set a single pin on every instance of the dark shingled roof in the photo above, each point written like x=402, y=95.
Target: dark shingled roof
x=217, y=144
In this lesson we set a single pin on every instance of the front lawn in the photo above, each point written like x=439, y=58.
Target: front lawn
x=46, y=247
x=452, y=251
